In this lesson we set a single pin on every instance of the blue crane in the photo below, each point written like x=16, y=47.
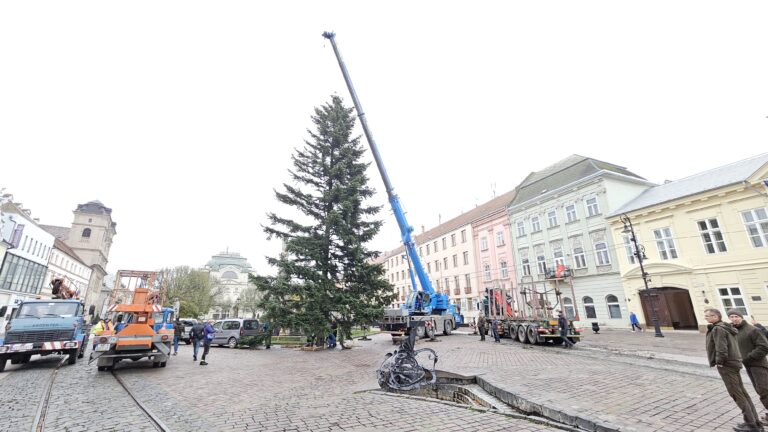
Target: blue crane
x=427, y=301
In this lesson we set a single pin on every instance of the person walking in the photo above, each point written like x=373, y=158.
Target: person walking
x=207, y=339
x=635, y=322
x=753, y=348
x=723, y=352
x=481, y=326
x=197, y=334
x=562, y=324
x=178, y=332
x=495, y=330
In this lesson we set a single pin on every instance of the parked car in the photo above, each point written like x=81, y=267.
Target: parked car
x=229, y=331
x=187, y=323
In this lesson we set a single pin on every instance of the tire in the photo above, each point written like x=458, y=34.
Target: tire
x=102, y=368
x=557, y=341
x=81, y=351
x=448, y=328
x=72, y=356
x=532, y=335
x=232, y=342
x=15, y=360
x=155, y=364
x=26, y=358
x=421, y=332
x=521, y=334
x=163, y=364
x=2, y=363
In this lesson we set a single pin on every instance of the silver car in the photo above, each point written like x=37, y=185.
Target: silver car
x=229, y=331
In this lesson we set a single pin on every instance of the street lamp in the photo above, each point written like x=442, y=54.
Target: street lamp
x=639, y=253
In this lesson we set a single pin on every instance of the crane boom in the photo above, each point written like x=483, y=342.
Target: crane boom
x=394, y=201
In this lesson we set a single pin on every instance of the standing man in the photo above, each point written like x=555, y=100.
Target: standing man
x=562, y=324
x=753, y=348
x=197, y=334
x=723, y=352
x=178, y=332
x=635, y=322
x=495, y=330
x=207, y=339
x=481, y=326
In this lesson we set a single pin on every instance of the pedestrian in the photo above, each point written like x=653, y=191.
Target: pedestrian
x=753, y=348
x=178, y=332
x=207, y=339
x=495, y=330
x=562, y=324
x=635, y=322
x=481, y=326
x=759, y=326
x=723, y=352
x=98, y=328
x=197, y=334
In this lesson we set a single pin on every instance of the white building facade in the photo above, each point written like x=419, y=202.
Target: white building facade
x=64, y=263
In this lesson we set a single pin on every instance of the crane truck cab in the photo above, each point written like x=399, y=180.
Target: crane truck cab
x=44, y=327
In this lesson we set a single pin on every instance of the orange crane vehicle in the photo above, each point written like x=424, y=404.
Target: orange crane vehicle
x=141, y=327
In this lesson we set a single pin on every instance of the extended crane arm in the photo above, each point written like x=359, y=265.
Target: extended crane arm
x=394, y=201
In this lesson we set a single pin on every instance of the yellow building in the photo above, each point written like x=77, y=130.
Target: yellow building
x=704, y=240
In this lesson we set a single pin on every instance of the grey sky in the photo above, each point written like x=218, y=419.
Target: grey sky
x=181, y=116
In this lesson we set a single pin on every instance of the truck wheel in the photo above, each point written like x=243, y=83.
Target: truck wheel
x=533, y=335
x=431, y=331
x=448, y=328
x=163, y=364
x=232, y=342
x=521, y=334
x=2, y=362
x=72, y=356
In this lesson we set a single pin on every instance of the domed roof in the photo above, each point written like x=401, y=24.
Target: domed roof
x=229, y=259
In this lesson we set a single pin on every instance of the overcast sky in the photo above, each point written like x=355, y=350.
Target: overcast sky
x=182, y=116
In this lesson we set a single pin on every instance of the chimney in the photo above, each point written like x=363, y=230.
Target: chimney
x=422, y=229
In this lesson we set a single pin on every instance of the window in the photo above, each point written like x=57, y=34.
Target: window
x=592, y=208
x=463, y=236
x=504, y=270
x=437, y=265
x=614, y=310
x=526, y=267
x=483, y=243
x=230, y=325
x=445, y=263
x=435, y=245
x=455, y=260
x=732, y=299
x=427, y=249
x=712, y=236
x=467, y=279
x=630, y=249
x=579, y=259
x=466, y=258
x=429, y=267
x=756, y=223
x=87, y=233
x=453, y=239
x=552, y=218
x=445, y=244
x=570, y=312
x=421, y=252
x=520, y=228
x=665, y=243
x=541, y=264
x=456, y=282
x=229, y=275
x=535, y=226
x=447, y=284
x=402, y=274
x=589, y=307
x=570, y=213
x=559, y=260
x=601, y=254
x=499, y=238
x=486, y=272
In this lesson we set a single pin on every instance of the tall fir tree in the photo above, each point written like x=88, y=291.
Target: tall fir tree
x=325, y=271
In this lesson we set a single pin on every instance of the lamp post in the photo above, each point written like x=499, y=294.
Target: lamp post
x=639, y=253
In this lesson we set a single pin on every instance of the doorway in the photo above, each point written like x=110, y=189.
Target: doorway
x=673, y=307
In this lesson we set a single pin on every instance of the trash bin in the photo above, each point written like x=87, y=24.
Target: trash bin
x=596, y=327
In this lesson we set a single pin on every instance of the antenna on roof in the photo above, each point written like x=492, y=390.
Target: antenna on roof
x=493, y=189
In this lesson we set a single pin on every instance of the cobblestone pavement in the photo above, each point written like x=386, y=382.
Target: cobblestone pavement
x=607, y=379
x=683, y=346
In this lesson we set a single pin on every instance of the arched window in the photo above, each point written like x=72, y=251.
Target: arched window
x=229, y=275
x=87, y=233
x=589, y=307
x=570, y=312
x=614, y=310
x=504, y=270
x=487, y=272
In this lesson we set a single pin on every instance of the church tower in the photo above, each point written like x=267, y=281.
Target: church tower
x=91, y=238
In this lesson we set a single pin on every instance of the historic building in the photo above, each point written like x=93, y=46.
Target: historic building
x=229, y=272
x=706, y=242
x=563, y=242
x=90, y=237
x=448, y=254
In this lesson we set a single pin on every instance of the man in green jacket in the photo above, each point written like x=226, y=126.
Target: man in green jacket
x=723, y=352
x=753, y=347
